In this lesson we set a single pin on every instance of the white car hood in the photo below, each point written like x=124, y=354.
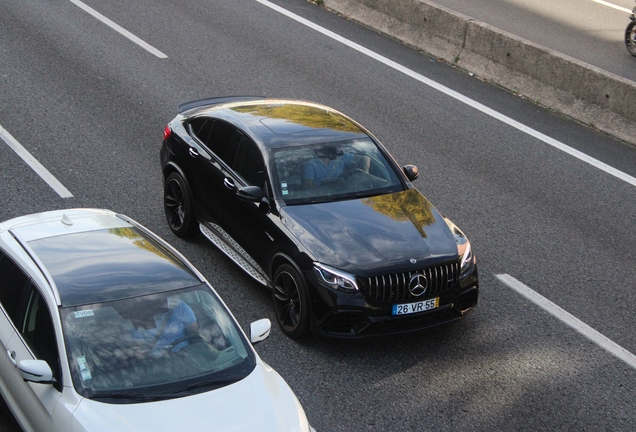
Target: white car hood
x=260, y=402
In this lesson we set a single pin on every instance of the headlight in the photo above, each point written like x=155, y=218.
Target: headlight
x=335, y=279
x=467, y=263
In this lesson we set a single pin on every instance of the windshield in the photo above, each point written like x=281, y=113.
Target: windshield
x=153, y=347
x=333, y=171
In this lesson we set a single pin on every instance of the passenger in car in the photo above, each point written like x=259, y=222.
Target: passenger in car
x=165, y=324
x=330, y=163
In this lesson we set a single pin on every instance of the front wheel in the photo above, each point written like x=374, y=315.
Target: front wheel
x=630, y=38
x=178, y=206
x=291, y=301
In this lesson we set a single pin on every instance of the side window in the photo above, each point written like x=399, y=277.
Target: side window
x=28, y=312
x=224, y=141
x=38, y=331
x=249, y=163
x=202, y=127
x=12, y=286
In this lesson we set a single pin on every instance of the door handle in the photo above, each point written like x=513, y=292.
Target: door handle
x=11, y=355
x=229, y=183
x=193, y=152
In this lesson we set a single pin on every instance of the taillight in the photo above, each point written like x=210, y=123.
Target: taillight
x=166, y=133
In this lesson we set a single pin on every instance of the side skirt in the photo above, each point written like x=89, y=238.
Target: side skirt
x=234, y=251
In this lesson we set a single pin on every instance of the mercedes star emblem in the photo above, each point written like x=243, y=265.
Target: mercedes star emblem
x=418, y=285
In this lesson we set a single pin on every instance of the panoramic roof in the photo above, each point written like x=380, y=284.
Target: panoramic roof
x=108, y=264
x=288, y=122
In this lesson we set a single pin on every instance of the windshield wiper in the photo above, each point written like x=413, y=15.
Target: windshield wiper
x=212, y=383
x=366, y=194
x=143, y=397
x=320, y=200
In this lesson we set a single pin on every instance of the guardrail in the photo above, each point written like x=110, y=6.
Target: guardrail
x=581, y=91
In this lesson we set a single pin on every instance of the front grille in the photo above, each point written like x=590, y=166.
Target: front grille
x=395, y=287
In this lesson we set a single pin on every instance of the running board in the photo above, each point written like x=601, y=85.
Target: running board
x=234, y=251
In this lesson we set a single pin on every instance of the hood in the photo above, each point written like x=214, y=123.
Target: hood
x=370, y=235
x=260, y=402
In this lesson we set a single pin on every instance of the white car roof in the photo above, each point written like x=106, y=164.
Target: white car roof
x=60, y=222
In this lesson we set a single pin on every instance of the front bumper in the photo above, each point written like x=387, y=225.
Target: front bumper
x=353, y=315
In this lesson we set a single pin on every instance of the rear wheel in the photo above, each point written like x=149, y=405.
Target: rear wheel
x=630, y=38
x=291, y=301
x=178, y=206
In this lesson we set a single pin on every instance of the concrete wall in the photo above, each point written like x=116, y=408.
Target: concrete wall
x=577, y=89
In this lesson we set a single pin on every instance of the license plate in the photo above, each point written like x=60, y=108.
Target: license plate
x=409, y=308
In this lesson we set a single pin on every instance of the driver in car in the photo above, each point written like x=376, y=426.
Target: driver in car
x=329, y=165
x=164, y=324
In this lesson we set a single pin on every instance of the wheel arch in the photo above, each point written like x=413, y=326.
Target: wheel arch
x=172, y=167
x=282, y=258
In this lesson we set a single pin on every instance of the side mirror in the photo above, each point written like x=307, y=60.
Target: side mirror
x=37, y=371
x=250, y=193
x=259, y=330
x=411, y=172
x=264, y=206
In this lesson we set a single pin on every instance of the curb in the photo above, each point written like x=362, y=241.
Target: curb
x=595, y=97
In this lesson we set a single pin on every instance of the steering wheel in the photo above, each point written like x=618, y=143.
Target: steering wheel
x=350, y=172
x=191, y=339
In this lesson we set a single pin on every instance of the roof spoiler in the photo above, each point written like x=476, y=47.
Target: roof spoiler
x=215, y=101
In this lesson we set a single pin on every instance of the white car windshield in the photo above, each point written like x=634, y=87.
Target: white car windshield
x=154, y=347
x=333, y=171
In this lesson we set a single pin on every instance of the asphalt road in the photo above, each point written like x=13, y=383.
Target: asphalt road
x=592, y=31
x=90, y=105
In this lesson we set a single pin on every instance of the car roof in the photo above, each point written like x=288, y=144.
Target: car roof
x=60, y=222
x=280, y=122
x=92, y=256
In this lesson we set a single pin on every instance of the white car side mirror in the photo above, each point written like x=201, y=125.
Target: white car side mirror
x=259, y=330
x=37, y=371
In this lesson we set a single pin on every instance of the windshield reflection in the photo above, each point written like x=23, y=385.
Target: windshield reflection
x=160, y=345
x=333, y=171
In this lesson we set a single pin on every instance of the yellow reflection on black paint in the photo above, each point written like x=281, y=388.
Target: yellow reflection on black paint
x=403, y=206
x=307, y=115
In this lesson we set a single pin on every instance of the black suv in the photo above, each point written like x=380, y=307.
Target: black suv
x=310, y=204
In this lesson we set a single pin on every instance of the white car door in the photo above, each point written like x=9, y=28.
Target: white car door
x=6, y=333
x=35, y=401
x=26, y=333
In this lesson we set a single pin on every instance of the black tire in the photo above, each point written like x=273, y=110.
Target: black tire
x=630, y=38
x=291, y=301
x=178, y=206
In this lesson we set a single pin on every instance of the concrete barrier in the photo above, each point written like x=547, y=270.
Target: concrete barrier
x=581, y=91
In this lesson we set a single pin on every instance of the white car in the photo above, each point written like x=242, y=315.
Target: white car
x=105, y=327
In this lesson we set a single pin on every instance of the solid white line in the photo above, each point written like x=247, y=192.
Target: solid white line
x=119, y=29
x=452, y=93
x=570, y=320
x=34, y=164
x=613, y=6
